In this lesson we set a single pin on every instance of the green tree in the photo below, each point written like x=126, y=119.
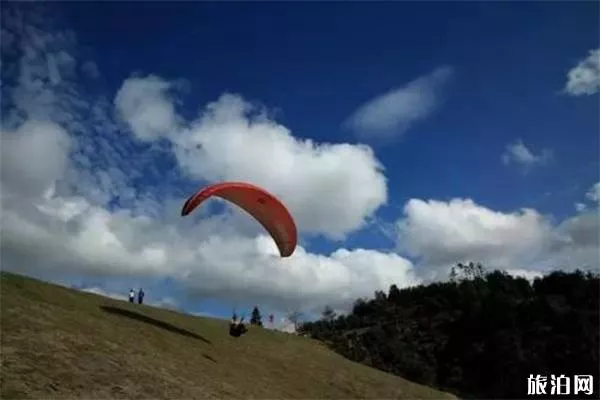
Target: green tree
x=256, y=318
x=469, y=271
x=328, y=314
x=294, y=318
x=477, y=335
x=453, y=274
x=394, y=294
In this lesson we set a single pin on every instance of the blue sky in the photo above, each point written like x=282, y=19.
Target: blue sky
x=468, y=111
x=317, y=63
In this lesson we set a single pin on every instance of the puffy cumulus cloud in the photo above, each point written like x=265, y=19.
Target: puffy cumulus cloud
x=576, y=244
x=308, y=279
x=33, y=157
x=582, y=230
x=60, y=234
x=317, y=181
x=393, y=113
x=329, y=188
x=71, y=235
x=441, y=234
x=147, y=107
x=584, y=78
x=444, y=233
x=519, y=154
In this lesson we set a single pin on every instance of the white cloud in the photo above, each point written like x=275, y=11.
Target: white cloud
x=208, y=315
x=582, y=230
x=165, y=302
x=576, y=243
x=584, y=78
x=594, y=193
x=519, y=154
x=146, y=106
x=284, y=325
x=44, y=65
x=393, y=113
x=318, y=181
x=34, y=157
x=442, y=234
x=523, y=273
x=102, y=292
x=88, y=239
x=308, y=279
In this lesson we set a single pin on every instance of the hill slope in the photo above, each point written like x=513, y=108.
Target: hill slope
x=62, y=343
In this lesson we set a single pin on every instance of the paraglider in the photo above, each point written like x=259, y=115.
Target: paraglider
x=267, y=209
x=237, y=328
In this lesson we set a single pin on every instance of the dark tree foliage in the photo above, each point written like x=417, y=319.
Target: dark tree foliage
x=328, y=314
x=480, y=335
x=256, y=318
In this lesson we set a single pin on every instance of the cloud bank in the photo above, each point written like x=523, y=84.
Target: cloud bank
x=441, y=234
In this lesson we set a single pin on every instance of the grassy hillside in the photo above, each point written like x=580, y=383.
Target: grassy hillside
x=62, y=343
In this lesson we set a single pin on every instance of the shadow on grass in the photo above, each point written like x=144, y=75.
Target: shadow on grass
x=209, y=358
x=152, y=321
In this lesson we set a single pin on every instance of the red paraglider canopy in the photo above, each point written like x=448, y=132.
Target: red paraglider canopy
x=262, y=205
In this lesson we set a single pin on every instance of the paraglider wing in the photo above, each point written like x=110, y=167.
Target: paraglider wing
x=262, y=205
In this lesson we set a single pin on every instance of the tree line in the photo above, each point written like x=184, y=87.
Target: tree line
x=478, y=335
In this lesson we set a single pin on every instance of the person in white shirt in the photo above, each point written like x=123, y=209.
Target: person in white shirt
x=131, y=295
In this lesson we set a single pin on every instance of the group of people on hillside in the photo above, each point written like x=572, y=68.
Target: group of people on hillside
x=140, y=296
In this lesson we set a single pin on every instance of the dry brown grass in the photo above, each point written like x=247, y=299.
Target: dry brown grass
x=61, y=343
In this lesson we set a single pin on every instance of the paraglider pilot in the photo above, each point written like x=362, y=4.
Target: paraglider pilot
x=237, y=328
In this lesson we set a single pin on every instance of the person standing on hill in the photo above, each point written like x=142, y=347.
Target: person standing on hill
x=131, y=295
x=141, y=296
